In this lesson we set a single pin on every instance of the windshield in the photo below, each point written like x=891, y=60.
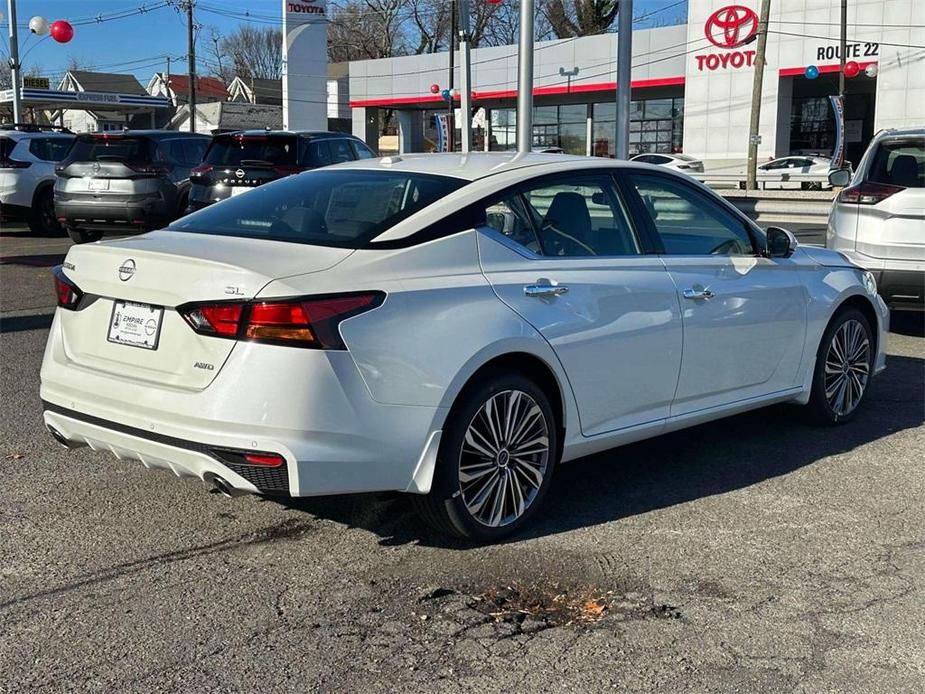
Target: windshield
x=231, y=150
x=344, y=208
x=111, y=148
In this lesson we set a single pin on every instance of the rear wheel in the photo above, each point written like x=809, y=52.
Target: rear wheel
x=83, y=236
x=496, y=459
x=843, y=367
x=42, y=218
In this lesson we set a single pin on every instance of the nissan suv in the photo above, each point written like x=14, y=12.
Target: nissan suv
x=133, y=180
x=239, y=161
x=28, y=154
x=878, y=220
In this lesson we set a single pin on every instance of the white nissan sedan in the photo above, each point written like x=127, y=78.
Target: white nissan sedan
x=450, y=326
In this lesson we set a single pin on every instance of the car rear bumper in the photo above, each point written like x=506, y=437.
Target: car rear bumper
x=311, y=407
x=147, y=213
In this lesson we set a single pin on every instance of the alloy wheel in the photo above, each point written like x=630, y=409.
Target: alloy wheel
x=504, y=458
x=847, y=367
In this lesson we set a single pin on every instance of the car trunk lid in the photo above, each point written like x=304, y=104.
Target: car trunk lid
x=163, y=270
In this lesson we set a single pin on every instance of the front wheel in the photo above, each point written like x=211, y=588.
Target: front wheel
x=496, y=459
x=843, y=368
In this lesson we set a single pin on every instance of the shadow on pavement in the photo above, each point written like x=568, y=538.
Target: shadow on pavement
x=910, y=323
x=22, y=323
x=45, y=260
x=710, y=459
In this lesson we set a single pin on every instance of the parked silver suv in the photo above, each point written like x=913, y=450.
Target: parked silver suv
x=878, y=221
x=134, y=180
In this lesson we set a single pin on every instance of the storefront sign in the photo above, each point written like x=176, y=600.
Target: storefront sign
x=852, y=50
x=35, y=82
x=729, y=28
x=305, y=65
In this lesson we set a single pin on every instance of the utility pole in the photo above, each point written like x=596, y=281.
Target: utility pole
x=15, y=67
x=624, y=79
x=525, y=79
x=167, y=74
x=450, y=125
x=191, y=64
x=842, y=50
x=465, y=85
x=753, y=137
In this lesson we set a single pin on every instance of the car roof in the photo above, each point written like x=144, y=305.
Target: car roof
x=26, y=134
x=155, y=134
x=293, y=133
x=477, y=165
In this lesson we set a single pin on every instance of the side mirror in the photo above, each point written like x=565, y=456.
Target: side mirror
x=840, y=177
x=781, y=243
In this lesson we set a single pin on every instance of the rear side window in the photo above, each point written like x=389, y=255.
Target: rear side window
x=340, y=151
x=319, y=153
x=112, y=148
x=50, y=148
x=324, y=207
x=6, y=147
x=194, y=149
x=899, y=163
x=232, y=150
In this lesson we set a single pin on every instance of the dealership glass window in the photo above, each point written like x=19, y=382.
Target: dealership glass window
x=553, y=126
x=656, y=125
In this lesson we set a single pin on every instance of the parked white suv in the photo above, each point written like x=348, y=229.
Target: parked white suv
x=879, y=220
x=28, y=155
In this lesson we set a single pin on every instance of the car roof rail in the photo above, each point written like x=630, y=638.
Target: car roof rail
x=35, y=128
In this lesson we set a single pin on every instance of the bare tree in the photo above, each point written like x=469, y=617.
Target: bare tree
x=252, y=52
x=6, y=79
x=365, y=29
x=570, y=18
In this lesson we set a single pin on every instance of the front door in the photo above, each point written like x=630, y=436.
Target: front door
x=744, y=315
x=562, y=253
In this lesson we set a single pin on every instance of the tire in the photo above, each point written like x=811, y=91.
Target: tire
x=831, y=402
x=82, y=236
x=453, y=506
x=42, y=219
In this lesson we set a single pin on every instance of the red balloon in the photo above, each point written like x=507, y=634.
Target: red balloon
x=852, y=69
x=61, y=31
x=494, y=2
x=434, y=88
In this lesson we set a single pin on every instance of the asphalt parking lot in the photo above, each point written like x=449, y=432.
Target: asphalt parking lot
x=757, y=553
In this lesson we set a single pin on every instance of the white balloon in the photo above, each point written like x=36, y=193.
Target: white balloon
x=871, y=70
x=38, y=25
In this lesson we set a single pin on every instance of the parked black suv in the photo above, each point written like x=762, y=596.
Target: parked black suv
x=133, y=180
x=236, y=162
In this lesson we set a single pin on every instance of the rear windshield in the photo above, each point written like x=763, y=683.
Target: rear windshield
x=899, y=163
x=346, y=209
x=111, y=148
x=231, y=150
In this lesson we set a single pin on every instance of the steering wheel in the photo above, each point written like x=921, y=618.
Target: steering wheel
x=724, y=247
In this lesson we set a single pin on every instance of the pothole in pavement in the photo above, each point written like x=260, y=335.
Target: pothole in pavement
x=528, y=608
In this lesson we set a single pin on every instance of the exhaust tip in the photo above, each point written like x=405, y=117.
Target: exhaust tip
x=61, y=438
x=219, y=485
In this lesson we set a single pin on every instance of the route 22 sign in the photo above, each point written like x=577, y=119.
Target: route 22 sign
x=729, y=28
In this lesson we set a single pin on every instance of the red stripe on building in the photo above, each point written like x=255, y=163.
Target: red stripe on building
x=512, y=93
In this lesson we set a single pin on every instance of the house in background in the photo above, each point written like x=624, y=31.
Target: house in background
x=176, y=88
x=101, y=84
x=225, y=116
x=270, y=93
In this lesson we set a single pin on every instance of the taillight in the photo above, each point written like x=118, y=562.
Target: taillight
x=306, y=322
x=14, y=164
x=286, y=169
x=868, y=193
x=68, y=293
x=151, y=168
x=201, y=170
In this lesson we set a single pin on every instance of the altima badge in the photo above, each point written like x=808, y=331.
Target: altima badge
x=127, y=270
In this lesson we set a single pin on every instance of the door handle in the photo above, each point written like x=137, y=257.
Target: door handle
x=545, y=289
x=698, y=294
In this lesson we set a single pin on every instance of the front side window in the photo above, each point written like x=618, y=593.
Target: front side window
x=580, y=217
x=362, y=151
x=507, y=216
x=319, y=153
x=323, y=207
x=340, y=151
x=688, y=222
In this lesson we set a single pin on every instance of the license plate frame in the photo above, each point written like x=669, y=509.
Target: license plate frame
x=135, y=333
x=98, y=184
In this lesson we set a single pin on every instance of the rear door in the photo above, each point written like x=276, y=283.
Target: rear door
x=744, y=315
x=562, y=253
x=891, y=213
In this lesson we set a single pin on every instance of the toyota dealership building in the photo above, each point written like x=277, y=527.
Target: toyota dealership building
x=691, y=84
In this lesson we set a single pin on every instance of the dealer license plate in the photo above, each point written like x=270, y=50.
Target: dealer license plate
x=99, y=184
x=135, y=325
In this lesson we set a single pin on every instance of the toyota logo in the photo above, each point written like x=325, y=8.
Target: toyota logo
x=239, y=173
x=126, y=270
x=731, y=26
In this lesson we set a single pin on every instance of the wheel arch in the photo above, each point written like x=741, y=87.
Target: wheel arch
x=41, y=187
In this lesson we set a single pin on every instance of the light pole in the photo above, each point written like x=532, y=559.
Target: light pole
x=465, y=77
x=525, y=79
x=15, y=67
x=624, y=79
